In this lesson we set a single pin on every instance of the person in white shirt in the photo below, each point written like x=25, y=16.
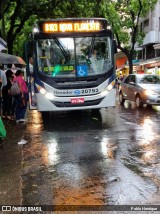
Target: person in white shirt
x=3, y=78
x=3, y=82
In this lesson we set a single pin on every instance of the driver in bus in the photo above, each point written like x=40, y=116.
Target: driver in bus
x=93, y=60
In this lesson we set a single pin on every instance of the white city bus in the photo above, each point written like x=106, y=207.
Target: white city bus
x=73, y=65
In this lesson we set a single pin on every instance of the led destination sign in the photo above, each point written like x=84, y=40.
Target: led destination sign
x=53, y=27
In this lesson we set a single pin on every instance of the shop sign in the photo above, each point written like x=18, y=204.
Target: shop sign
x=152, y=65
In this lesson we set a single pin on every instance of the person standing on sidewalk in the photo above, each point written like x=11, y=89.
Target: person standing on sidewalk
x=3, y=82
x=22, y=98
x=7, y=97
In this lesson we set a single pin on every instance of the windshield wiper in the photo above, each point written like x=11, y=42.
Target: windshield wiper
x=65, y=54
x=92, y=46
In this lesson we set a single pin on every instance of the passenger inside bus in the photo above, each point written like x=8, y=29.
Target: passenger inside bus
x=96, y=62
x=99, y=59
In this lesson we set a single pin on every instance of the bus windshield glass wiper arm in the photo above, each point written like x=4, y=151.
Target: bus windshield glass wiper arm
x=65, y=54
x=92, y=46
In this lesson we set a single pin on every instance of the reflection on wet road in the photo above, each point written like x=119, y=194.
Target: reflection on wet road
x=85, y=158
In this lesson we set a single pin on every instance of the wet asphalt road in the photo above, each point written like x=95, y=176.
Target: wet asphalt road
x=111, y=157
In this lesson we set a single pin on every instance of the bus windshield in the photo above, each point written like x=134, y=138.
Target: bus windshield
x=74, y=57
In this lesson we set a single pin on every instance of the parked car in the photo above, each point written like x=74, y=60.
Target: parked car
x=141, y=88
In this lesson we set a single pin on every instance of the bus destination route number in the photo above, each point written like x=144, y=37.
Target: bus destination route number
x=71, y=27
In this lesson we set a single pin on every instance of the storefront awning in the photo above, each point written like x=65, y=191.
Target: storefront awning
x=120, y=68
x=135, y=62
x=10, y=59
x=149, y=61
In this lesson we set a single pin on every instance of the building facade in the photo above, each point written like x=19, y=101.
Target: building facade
x=149, y=52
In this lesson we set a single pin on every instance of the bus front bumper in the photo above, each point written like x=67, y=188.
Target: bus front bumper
x=76, y=103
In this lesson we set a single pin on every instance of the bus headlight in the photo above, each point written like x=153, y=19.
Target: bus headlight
x=107, y=89
x=110, y=87
x=49, y=96
x=42, y=91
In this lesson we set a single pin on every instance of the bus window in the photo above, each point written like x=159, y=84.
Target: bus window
x=97, y=53
x=67, y=56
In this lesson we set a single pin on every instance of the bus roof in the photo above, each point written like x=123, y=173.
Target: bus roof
x=71, y=19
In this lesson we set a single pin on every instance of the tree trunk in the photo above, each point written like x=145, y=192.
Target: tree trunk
x=10, y=45
x=130, y=63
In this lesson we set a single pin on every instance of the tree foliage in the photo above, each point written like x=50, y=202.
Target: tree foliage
x=124, y=18
x=18, y=16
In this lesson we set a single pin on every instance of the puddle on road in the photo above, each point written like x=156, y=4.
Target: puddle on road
x=79, y=165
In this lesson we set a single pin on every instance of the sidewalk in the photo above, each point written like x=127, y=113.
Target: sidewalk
x=10, y=166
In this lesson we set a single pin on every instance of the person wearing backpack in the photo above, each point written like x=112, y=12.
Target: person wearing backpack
x=22, y=98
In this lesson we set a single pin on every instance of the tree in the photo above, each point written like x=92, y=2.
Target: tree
x=18, y=16
x=16, y=13
x=124, y=18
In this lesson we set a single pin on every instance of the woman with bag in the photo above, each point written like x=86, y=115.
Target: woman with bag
x=22, y=98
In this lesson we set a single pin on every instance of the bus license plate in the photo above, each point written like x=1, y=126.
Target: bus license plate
x=77, y=100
